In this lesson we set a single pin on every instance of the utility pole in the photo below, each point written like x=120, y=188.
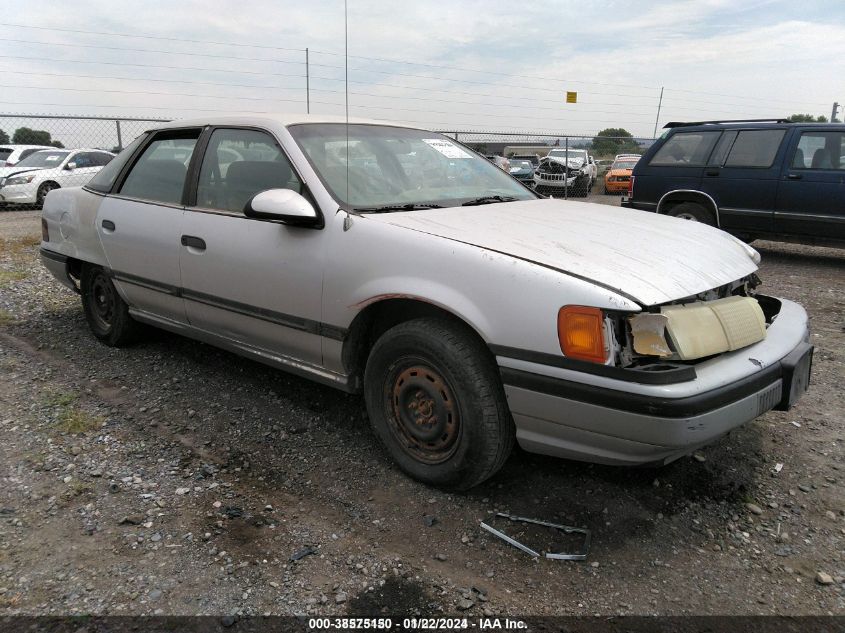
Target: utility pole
x=307, y=85
x=657, y=118
x=834, y=111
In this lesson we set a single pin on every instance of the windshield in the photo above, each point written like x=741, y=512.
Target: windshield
x=520, y=164
x=393, y=166
x=574, y=154
x=623, y=164
x=44, y=158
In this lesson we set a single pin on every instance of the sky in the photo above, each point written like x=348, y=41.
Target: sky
x=461, y=65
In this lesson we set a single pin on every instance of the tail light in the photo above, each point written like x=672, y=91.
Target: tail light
x=631, y=188
x=45, y=232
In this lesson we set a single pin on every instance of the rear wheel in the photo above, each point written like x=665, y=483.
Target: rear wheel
x=107, y=314
x=436, y=402
x=692, y=211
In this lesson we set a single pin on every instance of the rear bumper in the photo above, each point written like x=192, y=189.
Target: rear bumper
x=642, y=206
x=613, y=422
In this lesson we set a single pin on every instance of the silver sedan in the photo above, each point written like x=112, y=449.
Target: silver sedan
x=469, y=311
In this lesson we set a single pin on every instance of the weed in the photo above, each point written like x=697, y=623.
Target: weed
x=9, y=276
x=7, y=318
x=74, y=421
x=59, y=399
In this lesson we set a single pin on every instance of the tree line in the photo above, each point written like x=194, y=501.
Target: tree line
x=28, y=136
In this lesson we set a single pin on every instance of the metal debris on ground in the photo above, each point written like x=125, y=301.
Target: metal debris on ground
x=566, y=529
x=302, y=553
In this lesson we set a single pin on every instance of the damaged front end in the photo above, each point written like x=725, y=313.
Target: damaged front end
x=554, y=176
x=686, y=331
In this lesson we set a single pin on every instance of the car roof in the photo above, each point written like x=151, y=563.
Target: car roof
x=281, y=118
x=14, y=146
x=74, y=149
x=745, y=125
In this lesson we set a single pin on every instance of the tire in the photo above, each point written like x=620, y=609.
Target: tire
x=43, y=190
x=456, y=430
x=107, y=314
x=692, y=211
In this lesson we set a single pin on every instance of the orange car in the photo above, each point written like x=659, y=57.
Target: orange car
x=619, y=175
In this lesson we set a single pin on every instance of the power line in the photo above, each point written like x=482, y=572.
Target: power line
x=152, y=50
x=89, y=61
x=383, y=60
x=149, y=37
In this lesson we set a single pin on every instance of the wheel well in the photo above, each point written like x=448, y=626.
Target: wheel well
x=50, y=182
x=671, y=200
x=376, y=319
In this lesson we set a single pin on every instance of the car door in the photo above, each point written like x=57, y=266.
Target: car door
x=140, y=225
x=78, y=169
x=742, y=178
x=811, y=198
x=255, y=282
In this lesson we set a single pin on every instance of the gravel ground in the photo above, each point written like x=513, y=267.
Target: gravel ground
x=174, y=478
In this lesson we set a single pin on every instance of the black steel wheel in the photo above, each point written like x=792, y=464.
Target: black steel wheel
x=435, y=400
x=106, y=312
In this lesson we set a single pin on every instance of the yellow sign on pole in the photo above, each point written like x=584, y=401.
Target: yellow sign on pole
x=571, y=97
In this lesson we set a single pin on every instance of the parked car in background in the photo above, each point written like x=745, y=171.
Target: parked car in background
x=35, y=176
x=11, y=155
x=768, y=179
x=618, y=177
x=561, y=176
x=469, y=312
x=578, y=157
x=522, y=170
x=499, y=161
x=534, y=159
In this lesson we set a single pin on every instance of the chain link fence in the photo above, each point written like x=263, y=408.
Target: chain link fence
x=42, y=153
x=39, y=153
x=562, y=165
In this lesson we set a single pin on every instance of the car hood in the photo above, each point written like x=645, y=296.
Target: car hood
x=5, y=172
x=572, y=163
x=641, y=255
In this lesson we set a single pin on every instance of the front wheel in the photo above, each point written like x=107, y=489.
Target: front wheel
x=107, y=314
x=436, y=402
x=43, y=190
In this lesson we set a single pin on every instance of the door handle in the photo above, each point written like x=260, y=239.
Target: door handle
x=711, y=172
x=193, y=242
x=108, y=225
x=794, y=176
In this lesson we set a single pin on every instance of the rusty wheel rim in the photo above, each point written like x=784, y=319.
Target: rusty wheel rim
x=424, y=413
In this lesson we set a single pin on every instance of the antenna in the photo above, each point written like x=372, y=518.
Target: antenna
x=346, y=86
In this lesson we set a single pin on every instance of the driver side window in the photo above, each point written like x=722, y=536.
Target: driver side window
x=239, y=164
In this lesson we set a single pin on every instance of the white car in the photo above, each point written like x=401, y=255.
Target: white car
x=11, y=155
x=392, y=262
x=35, y=176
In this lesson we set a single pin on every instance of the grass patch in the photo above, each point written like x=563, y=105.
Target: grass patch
x=75, y=421
x=8, y=276
x=59, y=399
x=19, y=248
x=7, y=318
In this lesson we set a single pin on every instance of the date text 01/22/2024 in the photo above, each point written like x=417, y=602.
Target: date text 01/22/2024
x=412, y=624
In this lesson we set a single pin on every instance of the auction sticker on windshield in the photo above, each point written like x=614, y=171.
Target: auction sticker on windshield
x=448, y=149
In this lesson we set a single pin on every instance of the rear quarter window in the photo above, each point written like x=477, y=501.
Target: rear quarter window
x=686, y=149
x=104, y=179
x=755, y=148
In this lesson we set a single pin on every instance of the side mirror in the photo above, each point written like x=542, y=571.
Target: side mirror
x=284, y=206
x=70, y=166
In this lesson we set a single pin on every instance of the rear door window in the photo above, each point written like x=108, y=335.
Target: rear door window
x=159, y=173
x=5, y=152
x=238, y=164
x=686, y=149
x=755, y=148
x=820, y=150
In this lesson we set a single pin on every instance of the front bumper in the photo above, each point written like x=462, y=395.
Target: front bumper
x=18, y=194
x=567, y=413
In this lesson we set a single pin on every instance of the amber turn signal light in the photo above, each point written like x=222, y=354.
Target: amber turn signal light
x=580, y=330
